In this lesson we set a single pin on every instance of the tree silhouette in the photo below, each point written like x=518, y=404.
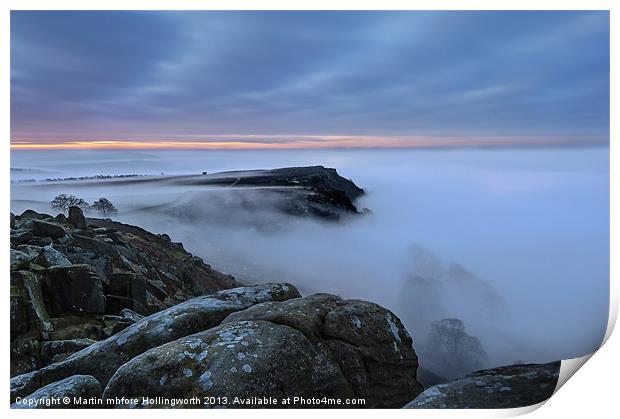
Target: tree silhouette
x=458, y=351
x=104, y=206
x=63, y=201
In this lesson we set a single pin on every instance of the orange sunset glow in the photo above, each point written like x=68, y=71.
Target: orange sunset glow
x=274, y=142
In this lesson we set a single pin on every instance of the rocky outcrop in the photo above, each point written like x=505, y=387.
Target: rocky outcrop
x=317, y=346
x=504, y=387
x=76, y=217
x=46, y=229
x=248, y=342
x=72, y=278
x=311, y=190
x=103, y=358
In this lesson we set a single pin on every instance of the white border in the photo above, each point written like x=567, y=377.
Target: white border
x=596, y=394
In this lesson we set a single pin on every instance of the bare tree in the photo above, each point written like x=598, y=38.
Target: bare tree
x=63, y=201
x=104, y=206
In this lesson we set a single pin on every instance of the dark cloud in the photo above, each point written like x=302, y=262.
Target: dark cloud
x=345, y=73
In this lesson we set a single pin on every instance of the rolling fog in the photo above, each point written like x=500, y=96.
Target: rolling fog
x=515, y=242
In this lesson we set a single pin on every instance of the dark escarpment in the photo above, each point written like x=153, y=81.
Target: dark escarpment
x=319, y=178
x=310, y=191
x=327, y=187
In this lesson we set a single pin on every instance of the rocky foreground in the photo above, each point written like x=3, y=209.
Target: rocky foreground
x=110, y=315
x=261, y=341
x=74, y=281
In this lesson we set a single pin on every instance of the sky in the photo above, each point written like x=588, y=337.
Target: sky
x=124, y=79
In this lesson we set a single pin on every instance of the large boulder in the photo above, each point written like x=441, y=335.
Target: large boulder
x=30, y=308
x=76, y=217
x=47, y=229
x=33, y=215
x=63, y=393
x=103, y=358
x=19, y=260
x=48, y=257
x=241, y=359
x=318, y=346
x=367, y=343
x=497, y=388
x=75, y=288
x=20, y=236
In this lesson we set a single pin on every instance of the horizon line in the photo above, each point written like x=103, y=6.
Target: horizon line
x=297, y=142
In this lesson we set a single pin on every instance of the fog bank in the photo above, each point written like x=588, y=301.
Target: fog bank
x=514, y=242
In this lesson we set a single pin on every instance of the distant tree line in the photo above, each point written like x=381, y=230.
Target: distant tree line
x=63, y=201
x=61, y=179
x=90, y=177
